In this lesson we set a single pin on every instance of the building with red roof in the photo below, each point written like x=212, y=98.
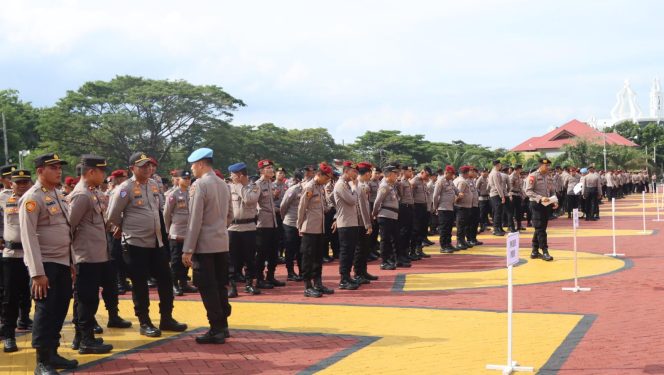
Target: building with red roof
x=552, y=142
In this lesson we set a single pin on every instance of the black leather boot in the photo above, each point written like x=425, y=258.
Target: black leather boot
x=545, y=255
x=347, y=283
x=232, y=291
x=115, y=321
x=167, y=323
x=59, y=362
x=251, y=289
x=270, y=278
x=186, y=288
x=44, y=366
x=318, y=285
x=310, y=291
x=89, y=345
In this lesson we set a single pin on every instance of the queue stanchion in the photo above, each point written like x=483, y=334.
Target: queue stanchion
x=512, y=259
x=613, y=225
x=643, y=202
x=576, y=288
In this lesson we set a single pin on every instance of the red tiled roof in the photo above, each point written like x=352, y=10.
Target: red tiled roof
x=569, y=133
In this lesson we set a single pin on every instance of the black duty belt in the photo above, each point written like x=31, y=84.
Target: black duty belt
x=406, y=205
x=485, y=196
x=390, y=209
x=245, y=221
x=516, y=191
x=13, y=245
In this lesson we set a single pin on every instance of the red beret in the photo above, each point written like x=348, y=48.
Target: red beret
x=76, y=180
x=119, y=173
x=349, y=164
x=69, y=180
x=326, y=169
x=364, y=164
x=219, y=174
x=264, y=163
x=464, y=169
x=450, y=168
x=154, y=161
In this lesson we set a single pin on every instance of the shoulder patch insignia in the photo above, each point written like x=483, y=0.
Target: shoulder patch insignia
x=309, y=194
x=531, y=179
x=123, y=193
x=30, y=205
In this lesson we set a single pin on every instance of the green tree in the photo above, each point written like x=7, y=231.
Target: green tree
x=22, y=120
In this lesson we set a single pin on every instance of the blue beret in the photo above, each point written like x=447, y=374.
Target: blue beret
x=584, y=170
x=237, y=167
x=201, y=153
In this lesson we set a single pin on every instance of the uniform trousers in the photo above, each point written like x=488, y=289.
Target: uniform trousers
x=445, y=223
x=50, y=312
x=405, y=223
x=313, y=247
x=361, y=251
x=420, y=225
x=348, y=238
x=540, y=222
x=89, y=278
x=462, y=221
x=242, y=254
x=293, y=242
x=497, y=206
x=17, y=280
x=210, y=271
x=177, y=267
x=388, y=238
x=144, y=262
x=473, y=222
x=267, y=246
x=517, y=209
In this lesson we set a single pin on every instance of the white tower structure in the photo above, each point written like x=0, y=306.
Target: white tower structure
x=626, y=107
x=656, y=101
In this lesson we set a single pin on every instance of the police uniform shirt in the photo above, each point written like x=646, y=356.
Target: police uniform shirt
x=444, y=195
x=45, y=233
x=483, y=186
x=462, y=186
x=4, y=194
x=329, y=194
x=374, y=184
x=539, y=186
x=496, y=184
x=281, y=187
x=474, y=192
x=288, y=208
x=210, y=210
x=134, y=207
x=419, y=190
x=12, y=230
x=311, y=208
x=387, y=202
x=363, y=214
x=405, y=192
x=266, y=213
x=245, y=206
x=176, y=213
x=515, y=184
x=86, y=217
x=345, y=199
x=572, y=181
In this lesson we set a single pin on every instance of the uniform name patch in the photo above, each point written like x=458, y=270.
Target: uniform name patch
x=123, y=193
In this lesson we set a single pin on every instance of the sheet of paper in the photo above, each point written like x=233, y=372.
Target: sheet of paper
x=552, y=199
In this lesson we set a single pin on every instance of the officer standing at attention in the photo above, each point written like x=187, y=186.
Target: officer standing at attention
x=176, y=217
x=463, y=205
x=444, y=196
x=497, y=196
x=292, y=238
x=242, y=229
x=347, y=223
x=134, y=209
x=420, y=212
x=5, y=192
x=539, y=188
x=311, y=226
x=365, y=225
x=14, y=271
x=267, y=231
x=46, y=240
x=206, y=243
x=93, y=266
x=386, y=209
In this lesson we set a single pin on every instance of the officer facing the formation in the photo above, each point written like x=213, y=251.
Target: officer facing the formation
x=14, y=272
x=444, y=196
x=242, y=229
x=176, y=217
x=365, y=226
x=386, y=210
x=347, y=223
x=93, y=266
x=539, y=188
x=267, y=232
x=134, y=209
x=206, y=243
x=46, y=240
x=497, y=196
x=311, y=226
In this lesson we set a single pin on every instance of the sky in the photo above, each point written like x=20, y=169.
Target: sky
x=487, y=72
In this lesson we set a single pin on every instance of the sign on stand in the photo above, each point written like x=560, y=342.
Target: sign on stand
x=512, y=259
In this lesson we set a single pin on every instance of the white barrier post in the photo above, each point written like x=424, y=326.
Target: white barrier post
x=576, y=288
x=512, y=259
x=613, y=224
x=643, y=199
x=657, y=203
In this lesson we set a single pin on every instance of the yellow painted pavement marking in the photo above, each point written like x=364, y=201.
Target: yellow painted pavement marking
x=558, y=232
x=533, y=272
x=410, y=339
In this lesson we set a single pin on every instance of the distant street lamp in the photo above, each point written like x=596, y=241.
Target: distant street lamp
x=21, y=155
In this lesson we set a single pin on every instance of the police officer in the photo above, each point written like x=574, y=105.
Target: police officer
x=206, y=243
x=118, y=177
x=267, y=231
x=347, y=223
x=539, y=188
x=288, y=210
x=93, y=266
x=365, y=226
x=497, y=196
x=592, y=191
x=242, y=229
x=463, y=205
x=474, y=210
x=374, y=184
x=482, y=185
x=311, y=226
x=516, y=191
x=405, y=222
x=46, y=241
x=420, y=212
x=135, y=210
x=176, y=217
x=444, y=195
x=14, y=272
x=386, y=210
